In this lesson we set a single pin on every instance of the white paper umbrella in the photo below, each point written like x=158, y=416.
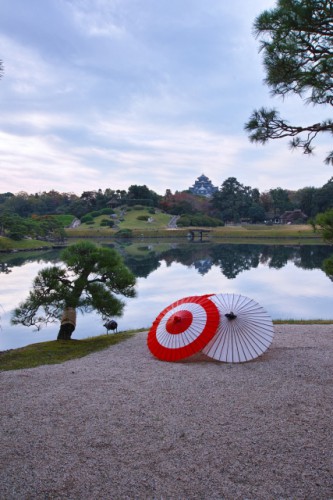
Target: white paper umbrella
x=245, y=330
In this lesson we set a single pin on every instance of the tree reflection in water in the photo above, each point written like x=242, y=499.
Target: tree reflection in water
x=232, y=259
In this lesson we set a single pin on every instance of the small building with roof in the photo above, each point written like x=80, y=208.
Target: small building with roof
x=293, y=217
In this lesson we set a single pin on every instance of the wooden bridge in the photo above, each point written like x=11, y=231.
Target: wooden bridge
x=199, y=232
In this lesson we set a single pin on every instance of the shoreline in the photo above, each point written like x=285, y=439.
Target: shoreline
x=293, y=234
x=276, y=322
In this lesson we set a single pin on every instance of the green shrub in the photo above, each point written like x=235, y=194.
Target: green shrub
x=143, y=217
x=103, y=211
x=15, y=235
x=107, y=211
x=107, y=222
x=184, y=221
x=87, y=219
x=199, y=220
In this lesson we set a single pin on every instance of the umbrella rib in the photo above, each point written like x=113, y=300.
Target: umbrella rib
x=240, y=345
x=237, y=337
x=262, y=333
x=253, y=341
x=192, y=333
x=164, y=339
x=246, y=343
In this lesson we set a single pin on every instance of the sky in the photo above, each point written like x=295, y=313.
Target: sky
x=101, y=94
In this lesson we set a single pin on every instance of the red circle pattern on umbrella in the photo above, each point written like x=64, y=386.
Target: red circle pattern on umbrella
x=245, y=330
x=183, y=328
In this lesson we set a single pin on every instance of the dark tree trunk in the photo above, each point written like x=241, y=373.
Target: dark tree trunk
x=65, y=331
x=68, y=323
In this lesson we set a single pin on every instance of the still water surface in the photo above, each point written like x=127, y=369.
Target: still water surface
x=286, y=280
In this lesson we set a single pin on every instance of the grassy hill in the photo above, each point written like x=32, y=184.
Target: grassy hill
x=133, y=219
x=140, y=221
x=137, y=219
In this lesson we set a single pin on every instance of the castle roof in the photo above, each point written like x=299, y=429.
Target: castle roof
x=203, y=187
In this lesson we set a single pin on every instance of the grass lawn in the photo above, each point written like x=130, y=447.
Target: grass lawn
x=131, y=221
x=6, y=244
x=65, y=219
x=263, y=231
x=57, y=351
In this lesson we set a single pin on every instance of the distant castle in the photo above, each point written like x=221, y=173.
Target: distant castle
x=203, y=187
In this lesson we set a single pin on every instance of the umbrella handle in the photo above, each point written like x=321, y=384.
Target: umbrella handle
x=230, y=315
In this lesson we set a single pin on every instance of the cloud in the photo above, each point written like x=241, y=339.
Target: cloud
x=97, y=18
x=109, y=93
x=41, y=163
x=118, y=152
x=25, y=71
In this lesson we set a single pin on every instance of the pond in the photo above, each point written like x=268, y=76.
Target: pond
x=286, y=280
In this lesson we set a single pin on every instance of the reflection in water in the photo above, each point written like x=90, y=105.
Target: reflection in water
x=232, y=259
x=203, y=265
x=5, y=268
x=287, y=281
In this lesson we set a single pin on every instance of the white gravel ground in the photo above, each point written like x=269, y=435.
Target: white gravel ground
x=119, y=424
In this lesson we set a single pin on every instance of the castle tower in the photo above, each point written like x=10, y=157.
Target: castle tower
x=203, y=187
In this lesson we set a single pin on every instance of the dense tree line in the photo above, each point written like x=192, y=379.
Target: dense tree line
x=235, y=202
x=29, y=214
x=44, y=227
x=53, y=202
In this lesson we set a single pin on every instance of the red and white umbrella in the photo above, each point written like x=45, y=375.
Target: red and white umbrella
x=245, y=330
x=183, y=328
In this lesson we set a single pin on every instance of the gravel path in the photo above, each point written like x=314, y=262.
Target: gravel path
x=120, y=424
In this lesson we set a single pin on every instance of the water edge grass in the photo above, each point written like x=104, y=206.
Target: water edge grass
x=58, y=351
